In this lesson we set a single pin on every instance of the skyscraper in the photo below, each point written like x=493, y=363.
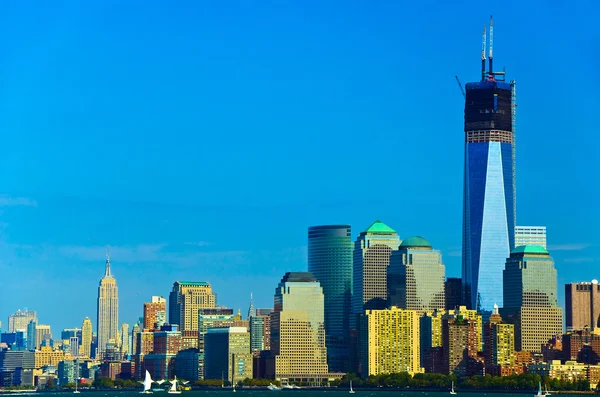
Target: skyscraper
x=582, y=304
x=530, y=297
x=330, y=261
x=489, y=186
x=20, y=320
x=415, y=276
x=298, y=330
x=228, y=353
x=530, y=235
x=155, y=312
x=108, y=309
x=124, y=340
x=86, y=338
x=185, y=300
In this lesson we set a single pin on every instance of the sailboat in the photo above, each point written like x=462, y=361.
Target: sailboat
x=173, y=389
x=547, y=393
x=539, y=393
x=452, y=390
x=351, y=389
x=76, y=391
x=147, y=384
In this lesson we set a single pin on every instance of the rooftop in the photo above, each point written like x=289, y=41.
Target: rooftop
x=298, y=277
x=415, y=242
x=529, y=249
x=192, y=283
x=379, y=227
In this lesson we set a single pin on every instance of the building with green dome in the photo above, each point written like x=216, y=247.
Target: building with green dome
x=415, y=277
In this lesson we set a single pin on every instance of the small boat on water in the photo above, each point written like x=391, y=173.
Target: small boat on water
x=272, y=387
x=351, y=391
x=147, y=384
x=539, y=393
x=173, y=388
x=547, y=393
x=452, y=390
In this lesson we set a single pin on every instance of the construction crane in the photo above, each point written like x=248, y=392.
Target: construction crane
x=461, y=87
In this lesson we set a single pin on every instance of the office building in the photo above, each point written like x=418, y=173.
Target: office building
x=298, y=349
x=530, y=297
x=86, y=338
x=211, y=318
x=32, y=335
x=20, y=320
x=185, y=300
x=330, y=261
x=582, y=346
x=187, y=364
x=530, y=235
x=227, y=353
x=390, y=342
x=108, y=309
x=453, y=292
x=499, y=346
x=582, y=304
x=460, y=344
x=167, y=341
x=415, y=276
x=47, y=356
x=68, y=333
x=124, y=340
x=155, y=313
x=430, y=337
x=489, y=186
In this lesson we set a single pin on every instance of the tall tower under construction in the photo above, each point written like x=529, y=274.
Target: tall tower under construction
x=489, y=207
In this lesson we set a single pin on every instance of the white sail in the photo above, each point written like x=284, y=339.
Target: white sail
x=174, y=384
x=147, y=382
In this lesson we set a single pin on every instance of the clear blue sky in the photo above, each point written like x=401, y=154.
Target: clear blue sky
x=201, y=139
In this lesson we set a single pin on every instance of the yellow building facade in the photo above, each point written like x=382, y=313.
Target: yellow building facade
x=47, y=356
x=390, y=341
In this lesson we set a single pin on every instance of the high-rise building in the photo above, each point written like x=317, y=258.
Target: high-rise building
x=228, y=354
x=298, y=349
x=530, y=297
x=499, y=346
x=32, y=339
x=430, y=336
x=391, y=342
x=108, y=309
x=74, y=346
x=415, y=276
x=460, y=346
x=167, y=341
x=330, y=261
x=530, y=235
x=185, y=300
x=453, y=292
x=124, y=340
x=582, y=304
x=489, y=206
x=86, y=338
x=155, y=312
x=260, y=330
x=20, y=320
x=211, y=318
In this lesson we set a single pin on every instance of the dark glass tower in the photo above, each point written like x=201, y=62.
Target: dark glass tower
x=330, y=261
x=489, y=186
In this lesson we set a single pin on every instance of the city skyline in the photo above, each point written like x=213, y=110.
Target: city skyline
x=57, y=215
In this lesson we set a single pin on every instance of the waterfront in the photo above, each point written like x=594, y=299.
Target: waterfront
x=253, y=392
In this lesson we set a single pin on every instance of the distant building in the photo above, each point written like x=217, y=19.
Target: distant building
x=67, y=372
x=530, y=235
x=415, y=276
x=582, y=346
x=185, y=300
x=108, y=309
x=187, y=364
x=20, y=320
x=453, y=292
x=499, y=346
x=227, y=352
x=390, y=342
x=167, y=342
x=48, y=356
x=32, y=343
x=211, y=318
x=582, y=303
x=330, y=261
x=124, y=340
x=155, y=312
x=530, y=297
x=430, y=335
x=74, y=346
x=460, y=346
x=298, y=349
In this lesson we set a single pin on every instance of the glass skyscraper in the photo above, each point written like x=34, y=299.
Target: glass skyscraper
x=330, y=261
x=489, y=190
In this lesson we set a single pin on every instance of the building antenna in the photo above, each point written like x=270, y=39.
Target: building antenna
x=491, y=46
x=483, y=54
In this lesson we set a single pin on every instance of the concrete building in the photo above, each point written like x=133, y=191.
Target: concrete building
x=124, y=340
x=390, y=342
x=499, y=346
x=20, y=320
x=530, y=235
x=298, y=350
x=530, y=301
x=330, y=261
x=47, y=356
x=415, y=276
x=187, y=363
x=108, y=309
x=430, y=339
x=155, y=313
x=86, y=338
x=185, y=300
x=460, y=346
x=582, y=346
x=167, y=342
x=211, y=318
x=453, y=292
x=227, y=352
x=582, y=304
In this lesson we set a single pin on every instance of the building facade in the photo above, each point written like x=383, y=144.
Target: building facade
x=227, y=353
x=530, y=235
x=415, y=276
x=499, y=346
x=298, y=349
x=530, y=298
x=155, y=313
x=582, y=305
x=20, y=320
x=330, y=261
x=86, y=338
x=390, y=342
x=453, y=292
x=185, y=300
x=489, y=188
x=108, y=309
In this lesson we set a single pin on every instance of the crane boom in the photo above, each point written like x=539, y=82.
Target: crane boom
x=462, y=90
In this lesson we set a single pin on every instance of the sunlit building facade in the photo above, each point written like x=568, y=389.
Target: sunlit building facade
x=108, y=310
x=185, y=300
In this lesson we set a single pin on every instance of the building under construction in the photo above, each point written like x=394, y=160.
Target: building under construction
x=489, y=210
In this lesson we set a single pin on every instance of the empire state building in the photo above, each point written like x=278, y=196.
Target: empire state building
x=108, y=309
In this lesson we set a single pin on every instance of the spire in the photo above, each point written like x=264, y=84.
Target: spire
x=251, y=310
x=107, y=271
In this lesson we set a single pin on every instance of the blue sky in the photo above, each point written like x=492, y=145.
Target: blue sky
x=201, y=139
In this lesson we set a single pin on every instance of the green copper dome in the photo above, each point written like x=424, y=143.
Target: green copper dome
x=415, y=241
x=529, y=249
x=379, y=227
